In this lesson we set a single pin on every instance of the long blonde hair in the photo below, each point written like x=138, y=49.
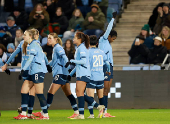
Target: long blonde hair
x=58, y=39
x=32, y=34
x=161, y=34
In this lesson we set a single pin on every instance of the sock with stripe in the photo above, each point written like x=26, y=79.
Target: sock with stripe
x=81, y=104
x=90, y=107
x=49, y=99
x=91, y=101
x=31, y=100
x=43, y=103
x=24, y=102
x=73, y=102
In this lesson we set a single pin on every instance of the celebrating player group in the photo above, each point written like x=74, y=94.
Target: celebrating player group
x=93, y=67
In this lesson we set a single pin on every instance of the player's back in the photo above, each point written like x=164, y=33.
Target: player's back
x=96, y=59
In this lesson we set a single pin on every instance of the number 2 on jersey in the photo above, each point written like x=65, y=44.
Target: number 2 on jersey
x=98, y=60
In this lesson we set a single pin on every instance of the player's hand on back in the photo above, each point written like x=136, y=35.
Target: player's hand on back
x=109, y=73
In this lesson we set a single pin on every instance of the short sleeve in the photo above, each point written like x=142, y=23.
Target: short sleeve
x=82, y=53
x=59, y=50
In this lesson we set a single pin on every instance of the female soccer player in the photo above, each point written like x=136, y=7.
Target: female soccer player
x=60, y=73
x=24, y=59
x=83, y=73
x=34, y=75
x=97, y=59
x=104, y=44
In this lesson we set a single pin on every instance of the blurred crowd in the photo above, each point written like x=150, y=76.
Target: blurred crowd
x=153, y=42
x=64, y=17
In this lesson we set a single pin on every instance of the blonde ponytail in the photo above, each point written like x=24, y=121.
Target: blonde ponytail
x=58, y=39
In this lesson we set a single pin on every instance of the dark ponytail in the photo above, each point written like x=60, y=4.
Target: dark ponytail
x=84, y=38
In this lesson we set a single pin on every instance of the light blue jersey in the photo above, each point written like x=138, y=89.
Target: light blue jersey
x=82, y=61
x=59, y=59
x=97, y=59
x=36, y=61
x=104, y=44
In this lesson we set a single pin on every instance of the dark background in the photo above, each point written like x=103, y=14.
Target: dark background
x=139, y=90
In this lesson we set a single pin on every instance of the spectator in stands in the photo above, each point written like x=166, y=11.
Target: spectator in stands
x=165, y=35
x=149, y=42
x=163, y=18
x=75, y=24
x=11, y=26
x=21, y=18
x=154, y=16
x=94, y=21
x=5, y=37
x=67, y=7
x=10, y=50
x=50, y=8
x=103, y=5
x=38, y=18
x=139, y=52
x=48, y=50
x=61, y=19
x=3, y=56
x=158, y=53
x=84, y=6
x=70, y=50
x=19, y=37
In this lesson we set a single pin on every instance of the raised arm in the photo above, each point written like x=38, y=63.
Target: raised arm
x=109, y=28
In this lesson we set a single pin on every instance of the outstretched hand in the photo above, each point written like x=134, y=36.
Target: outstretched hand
x=114, y=14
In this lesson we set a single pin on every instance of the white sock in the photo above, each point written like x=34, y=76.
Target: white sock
x=76, y=112
x=45, y=115
x=24, y=113
x=105, y=111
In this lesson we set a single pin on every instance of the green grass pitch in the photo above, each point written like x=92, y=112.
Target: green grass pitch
x=125, y=116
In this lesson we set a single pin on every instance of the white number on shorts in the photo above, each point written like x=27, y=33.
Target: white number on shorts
x=98, y=60
x=36, y=76
x=56, y=77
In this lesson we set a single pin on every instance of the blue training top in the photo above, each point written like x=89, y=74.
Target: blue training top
x=59, y=59
x=35, y=62
x=97, y=59
x=82, y=62
x=104, y=44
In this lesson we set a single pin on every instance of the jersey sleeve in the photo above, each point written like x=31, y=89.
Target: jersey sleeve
x=60, y=51
x=33, y=50
x=14, y=54
x=82, y=53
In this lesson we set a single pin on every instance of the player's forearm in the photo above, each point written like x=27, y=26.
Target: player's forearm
x=108, y=66
x=109, y=28
x=79, y=62
x=46, y=60
x=13, y=56
x=72, y=72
